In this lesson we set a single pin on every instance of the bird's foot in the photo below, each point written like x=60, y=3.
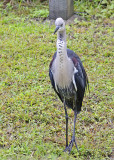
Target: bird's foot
x=69, y=147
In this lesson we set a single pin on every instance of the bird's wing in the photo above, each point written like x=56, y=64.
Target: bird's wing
x=79, y=71
x=80, y=77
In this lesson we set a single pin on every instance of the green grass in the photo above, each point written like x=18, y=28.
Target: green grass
x=32, y=120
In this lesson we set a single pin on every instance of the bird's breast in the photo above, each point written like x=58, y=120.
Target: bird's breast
x=63, y=71
x=62, y=66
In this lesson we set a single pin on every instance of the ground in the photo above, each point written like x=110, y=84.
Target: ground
x=32, y=119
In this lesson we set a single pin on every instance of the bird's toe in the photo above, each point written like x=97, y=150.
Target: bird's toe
x=69, y=147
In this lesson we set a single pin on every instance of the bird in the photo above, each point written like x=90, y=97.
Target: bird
x=68, y=78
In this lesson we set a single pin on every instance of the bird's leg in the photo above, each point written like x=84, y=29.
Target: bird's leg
x=73, y=140
x=66, y=116
x=73, y=137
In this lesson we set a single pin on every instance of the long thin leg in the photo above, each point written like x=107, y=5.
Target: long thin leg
x=66, y=116
x=73, y=140
x=75, y=116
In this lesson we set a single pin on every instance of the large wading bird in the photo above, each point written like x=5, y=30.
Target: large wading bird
x=68, y=78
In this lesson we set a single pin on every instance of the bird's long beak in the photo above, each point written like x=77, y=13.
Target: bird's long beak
x=56, y=29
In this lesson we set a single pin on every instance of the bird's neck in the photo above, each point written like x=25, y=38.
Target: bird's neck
x=61, y=35
x=61, y=45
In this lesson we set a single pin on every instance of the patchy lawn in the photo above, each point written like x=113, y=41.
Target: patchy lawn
x=32, y=119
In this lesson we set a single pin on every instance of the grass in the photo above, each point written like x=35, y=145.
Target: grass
x=32, y=120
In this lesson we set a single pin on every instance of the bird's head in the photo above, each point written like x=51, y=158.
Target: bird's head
x=60, y=25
